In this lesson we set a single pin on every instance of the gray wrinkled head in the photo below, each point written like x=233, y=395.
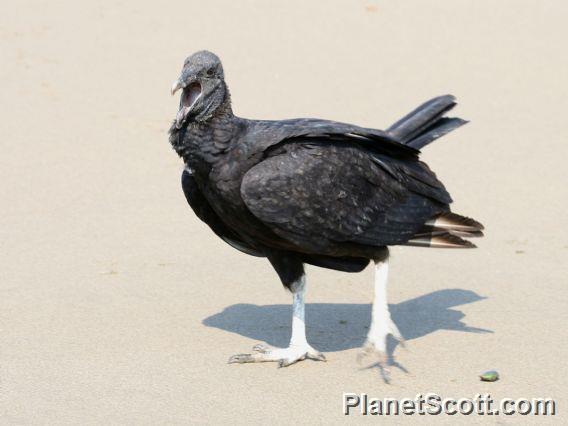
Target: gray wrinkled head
x=203, y=87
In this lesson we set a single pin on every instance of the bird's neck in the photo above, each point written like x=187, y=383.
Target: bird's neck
x=225, y=110
x=205, y=142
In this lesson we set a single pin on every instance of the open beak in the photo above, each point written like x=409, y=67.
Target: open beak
x=189, y=97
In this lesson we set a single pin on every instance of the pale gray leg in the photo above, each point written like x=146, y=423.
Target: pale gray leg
x=381, y=322
x=298, y=349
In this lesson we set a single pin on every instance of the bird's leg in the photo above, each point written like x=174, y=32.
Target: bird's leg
x=298, y=349
x=381, y=323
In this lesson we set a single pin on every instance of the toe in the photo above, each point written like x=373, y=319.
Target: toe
x=262, y=348
x=241, y=359
x=316, y=356
x=285, y=362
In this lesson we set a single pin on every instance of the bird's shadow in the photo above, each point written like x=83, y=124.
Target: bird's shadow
x=335, y=327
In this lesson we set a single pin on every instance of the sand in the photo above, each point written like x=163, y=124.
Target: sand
x=118, y=306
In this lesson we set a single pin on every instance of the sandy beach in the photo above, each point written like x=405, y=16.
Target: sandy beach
x=118, y=306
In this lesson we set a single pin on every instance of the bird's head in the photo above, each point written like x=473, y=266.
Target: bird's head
x=203, y=88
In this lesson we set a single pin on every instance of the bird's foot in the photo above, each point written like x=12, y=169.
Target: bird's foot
x=376, y=342
x=284, y=356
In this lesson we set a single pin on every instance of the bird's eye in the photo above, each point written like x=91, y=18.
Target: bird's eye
x=210, y=72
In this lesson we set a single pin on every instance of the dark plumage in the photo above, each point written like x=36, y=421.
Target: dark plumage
x=308, y=190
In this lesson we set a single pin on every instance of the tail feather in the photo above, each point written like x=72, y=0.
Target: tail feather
x=454, y=222
x=430, y=230
x=426, y=123
x=443, y=240
x=447, y=230
x=463, y=234
x=440, y=128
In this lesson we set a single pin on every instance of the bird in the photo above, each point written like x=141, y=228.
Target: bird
x=313, y=191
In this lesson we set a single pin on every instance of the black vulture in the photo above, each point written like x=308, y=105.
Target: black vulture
x=298, y=191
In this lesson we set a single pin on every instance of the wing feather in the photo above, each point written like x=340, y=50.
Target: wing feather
x=203, y=211
x=317, y=194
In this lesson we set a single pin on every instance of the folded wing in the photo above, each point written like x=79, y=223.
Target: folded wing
x=205, y=212
x=319, y=194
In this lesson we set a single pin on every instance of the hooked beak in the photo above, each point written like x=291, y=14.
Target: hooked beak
x=176, y=86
